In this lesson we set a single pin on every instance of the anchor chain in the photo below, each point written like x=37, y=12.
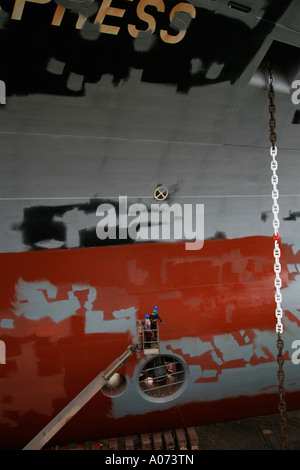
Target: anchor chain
x=277, y=265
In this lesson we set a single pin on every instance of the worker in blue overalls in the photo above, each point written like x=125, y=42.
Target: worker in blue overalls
x=153, y=318
x=147, y=331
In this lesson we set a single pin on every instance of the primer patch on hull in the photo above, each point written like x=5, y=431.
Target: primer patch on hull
x=124, y=320
x=222, y=368
x=37, y=300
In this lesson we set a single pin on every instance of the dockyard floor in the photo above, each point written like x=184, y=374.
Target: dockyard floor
x=256, y=433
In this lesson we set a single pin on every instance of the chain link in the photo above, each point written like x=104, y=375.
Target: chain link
x=276, y=238
x=277, y=265
x=272, y=108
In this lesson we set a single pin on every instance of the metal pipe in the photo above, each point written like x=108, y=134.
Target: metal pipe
x=78, y=402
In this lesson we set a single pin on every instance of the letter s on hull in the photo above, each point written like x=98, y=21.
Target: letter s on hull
x=140, y=9
x=177, y=21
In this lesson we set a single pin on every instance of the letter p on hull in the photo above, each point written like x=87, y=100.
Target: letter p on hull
x=19, y=7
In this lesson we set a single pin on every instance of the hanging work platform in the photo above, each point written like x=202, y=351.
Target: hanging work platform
x=149, y=345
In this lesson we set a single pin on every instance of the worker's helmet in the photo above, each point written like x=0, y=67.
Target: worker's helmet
x=155, y=308
x=146, y=316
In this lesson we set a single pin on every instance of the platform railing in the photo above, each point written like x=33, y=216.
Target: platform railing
x=153, y=341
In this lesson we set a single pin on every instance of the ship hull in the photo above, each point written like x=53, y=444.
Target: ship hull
x=103, y=103
x=74, y=312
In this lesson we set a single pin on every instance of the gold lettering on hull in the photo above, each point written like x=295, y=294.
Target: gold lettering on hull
x=159, y=4
x=181, y=7
x=19, y=7
x=106, y=9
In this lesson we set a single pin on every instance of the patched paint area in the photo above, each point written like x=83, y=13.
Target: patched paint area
x=7, y=323
x=219, y=366
x=232, y=370
x=225, y=358
x=231, y=350
x=192, y=346
x=37, y=300
x=124, y=320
